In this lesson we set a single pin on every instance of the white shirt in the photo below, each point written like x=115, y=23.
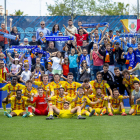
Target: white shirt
x=56, y=65
x=26, y=75
x=15, y=68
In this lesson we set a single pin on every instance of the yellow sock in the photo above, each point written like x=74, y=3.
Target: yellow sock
x=4, y=106
x=123, y=110
x=79, y=113
x=87, y=113
x=90, y=109
x=109, y=110
x=51, y=113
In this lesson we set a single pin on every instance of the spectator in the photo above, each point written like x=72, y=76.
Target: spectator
x=26, y=74
x=72, y=28
x=87, y=46
x=37, y=73
x=65, y=67
x=80, y=37
x=73, y=62
x=15, y=68
x=14, y=31
x=111, y=36
x=51, y=49
x=133, y=43
x=2, y=57
x=4, y=73
x=97, y=59
x=25, y=43
x=3, y=40
x=33, y=42
x=55, y=30
x=57, y=63
x=85, y=56
x=108, y=56
x=84, y=71
x=65, y=52
x=42, y=41
x=37, y=63
x=70, y=44
x=46, y=32
x=49, y=73
x=60, y=44
x=79, y=26
x=118, y=61
x=130, y=58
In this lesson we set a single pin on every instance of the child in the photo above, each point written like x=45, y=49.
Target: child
x=2, y=57
x=49, y=72
x=130, y=58
x=26, y=74
x=65, y=67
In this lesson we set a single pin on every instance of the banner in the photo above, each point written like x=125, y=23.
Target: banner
x=26, y=47
x=130, y=35
x=59, y=38
x=93, y=25
x=9, y=36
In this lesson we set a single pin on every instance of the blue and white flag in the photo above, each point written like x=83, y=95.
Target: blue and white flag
x=9, y=36
x=59, y=38
x=93, y=25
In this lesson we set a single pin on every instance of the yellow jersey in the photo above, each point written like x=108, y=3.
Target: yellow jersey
x=1, y=79
x=130, y=81
x=55, y=87
x=71, y=88
x=94, y=98
x=18, y=104
x=45, y=87
x=33, y=91
x=12, y=89
x=115, y=102
x=59, y=101
x=101, y=85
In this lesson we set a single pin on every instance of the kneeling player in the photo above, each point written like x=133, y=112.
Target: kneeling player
x=100, y=108
x=115, y=104
x=41, y=104
x=17, y=105
x=66, y=112
x=135, y=109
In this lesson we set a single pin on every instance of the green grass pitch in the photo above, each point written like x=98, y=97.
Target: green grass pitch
x=115, y=127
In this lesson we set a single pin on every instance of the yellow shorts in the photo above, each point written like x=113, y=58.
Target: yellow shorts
x=116, y=111
x=65, y=114
x=18, y=112
x=98, y=110
x=136, y=107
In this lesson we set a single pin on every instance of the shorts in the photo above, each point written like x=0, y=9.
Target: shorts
x=98, y=110
x=18, y=112
x=56, y=71
x=65, y=114
x=116, y=110
x=83, y=110
x=41, y=112
x=136, y=107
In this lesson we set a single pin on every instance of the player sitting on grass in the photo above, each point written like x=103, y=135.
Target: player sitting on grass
x=80, y=100
x=41, y=104
x=66, y=112
x=11, y=87
x=115, y=104
x=135, y=109
x=17, y=105
x=100, y=108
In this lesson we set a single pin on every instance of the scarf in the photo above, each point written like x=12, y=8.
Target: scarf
x=87, y=58
x=38, y=77
x=93, y=25
x=107, y=57
x=43, y=40
x=130, y=60
x=59, y=38
x=130, y=35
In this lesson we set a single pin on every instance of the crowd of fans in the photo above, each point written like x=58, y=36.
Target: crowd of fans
x=91, y=55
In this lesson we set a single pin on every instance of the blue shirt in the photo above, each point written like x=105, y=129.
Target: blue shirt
x=73, y=61
x=59, y=45
x=137, y=56
x=132, y=45
x=45, y=31
x=54, y=34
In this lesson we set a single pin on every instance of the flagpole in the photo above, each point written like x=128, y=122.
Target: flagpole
x=138, y=9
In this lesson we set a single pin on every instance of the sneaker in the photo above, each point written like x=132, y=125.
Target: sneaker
x=104, y=112
x=124, y=114
x=101, y=114
x=110, y=114
x=31, y=115
x=92, y=112
x=5, y=112
x=26, y=115
x=95, y=114
x=81, y=117
x=50, y=118
x=133, y=114
x=8, y=115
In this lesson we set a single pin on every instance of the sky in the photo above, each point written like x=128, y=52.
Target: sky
x=32, y=7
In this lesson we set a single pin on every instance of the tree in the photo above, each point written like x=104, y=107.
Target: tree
x=18, y=13
x=87, y=7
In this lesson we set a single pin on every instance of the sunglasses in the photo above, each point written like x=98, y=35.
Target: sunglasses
x=2, y=63
x=16, y=55
x=60, y=34
x=42, y=24
x=25, y=41
x=84, y=62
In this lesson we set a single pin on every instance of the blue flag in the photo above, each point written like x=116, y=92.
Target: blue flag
x=59, y=38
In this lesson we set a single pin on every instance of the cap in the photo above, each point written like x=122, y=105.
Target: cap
x=110, y=31
x=117, y=43
x=16, y=59
x=25, y=39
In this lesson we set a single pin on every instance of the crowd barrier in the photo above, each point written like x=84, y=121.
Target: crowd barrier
x=3, y=95
x=27, y=25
